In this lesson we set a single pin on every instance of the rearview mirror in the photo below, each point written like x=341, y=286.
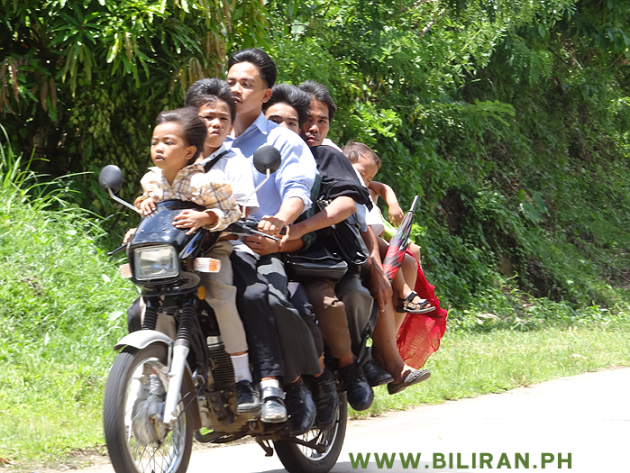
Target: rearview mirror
x=267, y=158
x=111, y=177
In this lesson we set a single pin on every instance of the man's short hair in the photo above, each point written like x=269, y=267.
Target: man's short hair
x=208, y=91
x=321, y=93
x=354, y=150
x=292, y=96
x=259, y=58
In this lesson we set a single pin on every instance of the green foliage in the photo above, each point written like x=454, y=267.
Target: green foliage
x=510, y=121
x=60, y=314
x=82, y=82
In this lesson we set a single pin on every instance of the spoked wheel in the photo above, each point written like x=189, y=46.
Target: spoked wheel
x=136, y=439
x=298, y=458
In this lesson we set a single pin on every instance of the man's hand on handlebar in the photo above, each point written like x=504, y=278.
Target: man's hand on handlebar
x=261, y=245
x=271, y=225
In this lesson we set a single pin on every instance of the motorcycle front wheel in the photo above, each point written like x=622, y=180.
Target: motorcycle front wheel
x=298, y=458
x=132, y=412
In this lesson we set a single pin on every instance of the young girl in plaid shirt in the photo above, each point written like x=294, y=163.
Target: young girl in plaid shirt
x=178, y=140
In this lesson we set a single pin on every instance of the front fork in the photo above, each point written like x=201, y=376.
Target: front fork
x=181, y=349
x=176, y=374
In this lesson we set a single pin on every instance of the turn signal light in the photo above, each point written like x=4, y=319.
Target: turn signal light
x=125, y=271
x=207, y=265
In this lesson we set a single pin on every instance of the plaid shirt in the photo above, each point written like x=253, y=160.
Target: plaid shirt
x=192, y=184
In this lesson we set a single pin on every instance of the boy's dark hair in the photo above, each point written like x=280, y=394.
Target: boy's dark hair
x=354, y=150
x=195, y=131
x=293, y=96
x=206, y=91
x=259, y=58
x=321, y=93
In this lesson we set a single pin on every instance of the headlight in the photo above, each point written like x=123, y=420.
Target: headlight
x=156, y=262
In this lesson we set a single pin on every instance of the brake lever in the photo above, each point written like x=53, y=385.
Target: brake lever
x=256, y=232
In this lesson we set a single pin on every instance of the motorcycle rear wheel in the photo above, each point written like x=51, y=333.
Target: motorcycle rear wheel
x=127, y=378
x=301, y=459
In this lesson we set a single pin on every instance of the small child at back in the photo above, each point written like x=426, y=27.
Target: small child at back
x=178, y=139
x=366, y=163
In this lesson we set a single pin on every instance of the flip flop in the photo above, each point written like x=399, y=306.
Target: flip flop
x=413, y=377
x=407, y=305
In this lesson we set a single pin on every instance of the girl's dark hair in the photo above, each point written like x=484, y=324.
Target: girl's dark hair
x=321, y=93
x=292, y=96
x=354, y=150
x=209, y=91
x=259, y=58
x=194, y=129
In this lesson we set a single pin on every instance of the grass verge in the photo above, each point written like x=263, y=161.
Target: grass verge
x=59, y=407
x=469, y=364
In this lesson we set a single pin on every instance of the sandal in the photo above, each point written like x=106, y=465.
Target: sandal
x=408, y=305
x=411, y=378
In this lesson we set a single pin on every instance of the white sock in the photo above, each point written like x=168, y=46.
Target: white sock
x=274, y=383
x=241, y=367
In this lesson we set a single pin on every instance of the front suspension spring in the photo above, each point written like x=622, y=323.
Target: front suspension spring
x=187, y=324
x=150, y=318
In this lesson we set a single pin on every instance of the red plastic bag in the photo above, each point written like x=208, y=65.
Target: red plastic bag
x=420, y=334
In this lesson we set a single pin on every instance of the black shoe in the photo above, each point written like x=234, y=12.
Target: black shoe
x=376, y=375
x=300, y=408
x=360, y=394
x=246, y=397
x=324, y=389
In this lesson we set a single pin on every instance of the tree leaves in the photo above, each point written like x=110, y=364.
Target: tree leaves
x=85, y=80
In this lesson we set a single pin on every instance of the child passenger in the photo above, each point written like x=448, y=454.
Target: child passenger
x=367, y=163
x=178, y=140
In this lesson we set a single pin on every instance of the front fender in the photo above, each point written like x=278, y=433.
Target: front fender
x=143, y=338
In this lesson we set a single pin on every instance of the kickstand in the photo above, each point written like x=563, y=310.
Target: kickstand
x=264, y=444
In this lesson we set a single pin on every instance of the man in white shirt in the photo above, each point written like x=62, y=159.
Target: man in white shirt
x=290, y=351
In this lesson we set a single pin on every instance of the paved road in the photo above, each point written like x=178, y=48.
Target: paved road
x=584, y=418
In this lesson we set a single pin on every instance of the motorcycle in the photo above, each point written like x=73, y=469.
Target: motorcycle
x=161, y=392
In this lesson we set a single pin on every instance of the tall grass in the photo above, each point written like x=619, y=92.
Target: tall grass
x=61, y=309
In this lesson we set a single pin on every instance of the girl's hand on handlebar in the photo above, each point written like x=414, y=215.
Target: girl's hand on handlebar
x=194, y=220
x=147, y=206
x=131, y=232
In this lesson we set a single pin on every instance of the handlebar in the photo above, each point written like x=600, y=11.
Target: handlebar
x=250, y=227
x=242, y=227
x=117, y=250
